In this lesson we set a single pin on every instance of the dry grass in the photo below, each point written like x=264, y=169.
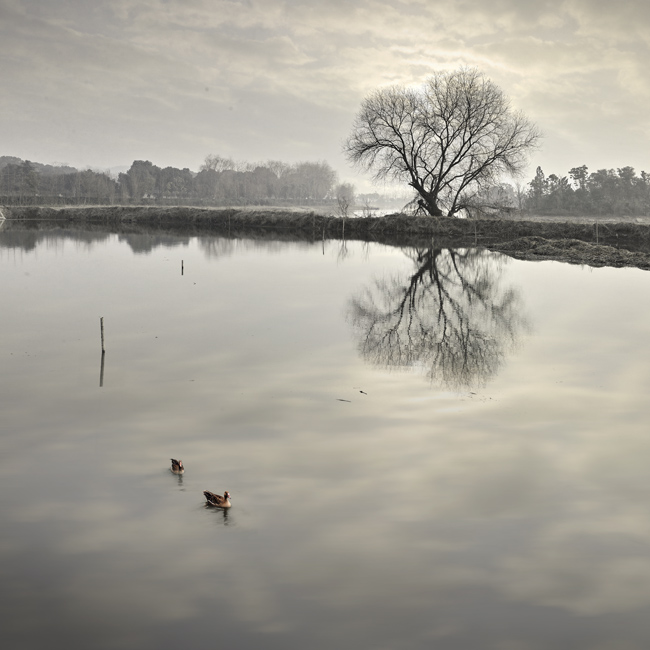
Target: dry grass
x=612, y=243
x=572, y=251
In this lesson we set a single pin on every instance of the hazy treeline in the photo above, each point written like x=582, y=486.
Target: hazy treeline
x=606, y=191
x=220, y=181
x=23, y=181
x=223, y=181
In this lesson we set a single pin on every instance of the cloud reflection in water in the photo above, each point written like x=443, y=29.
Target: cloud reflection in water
x=408, y=517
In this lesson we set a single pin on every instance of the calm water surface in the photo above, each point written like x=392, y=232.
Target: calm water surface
x=425, y=448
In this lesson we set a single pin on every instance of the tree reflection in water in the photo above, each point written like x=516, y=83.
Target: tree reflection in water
x=451, y=316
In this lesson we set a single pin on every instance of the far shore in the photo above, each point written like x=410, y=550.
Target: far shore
x=598, y=241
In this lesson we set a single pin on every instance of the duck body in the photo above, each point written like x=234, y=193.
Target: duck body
x=177, y=466
x=217, y=500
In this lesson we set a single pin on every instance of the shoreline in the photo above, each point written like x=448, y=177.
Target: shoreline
x=595, y=243
x=597, y=229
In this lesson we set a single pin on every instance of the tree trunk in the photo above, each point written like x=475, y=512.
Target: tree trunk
x=428, y=201
x=430, y=205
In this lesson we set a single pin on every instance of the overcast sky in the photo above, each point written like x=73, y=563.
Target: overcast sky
x=103, y=82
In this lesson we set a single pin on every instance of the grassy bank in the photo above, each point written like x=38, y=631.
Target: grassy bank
x=612, y=244
x=390, y=229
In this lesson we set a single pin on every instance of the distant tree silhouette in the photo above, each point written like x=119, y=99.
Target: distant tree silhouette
x=606, y=191
x=344, y=198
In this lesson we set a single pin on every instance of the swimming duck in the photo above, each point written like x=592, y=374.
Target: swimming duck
x=177, y=466
x=217, y=500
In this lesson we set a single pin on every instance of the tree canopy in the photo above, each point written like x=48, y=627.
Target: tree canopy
x=448, y=139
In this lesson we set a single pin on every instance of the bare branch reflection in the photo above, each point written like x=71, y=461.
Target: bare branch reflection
x=452, y=316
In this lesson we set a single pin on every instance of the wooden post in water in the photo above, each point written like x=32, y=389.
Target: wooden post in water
x=101, y=368
x=101, y=371
x=181, y=267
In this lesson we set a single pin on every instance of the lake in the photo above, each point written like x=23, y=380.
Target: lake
x=427, y=448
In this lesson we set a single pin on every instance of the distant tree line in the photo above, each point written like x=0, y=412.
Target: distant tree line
x=223, y=181
x=220, y=181
x=617, y=192
x=606, y=191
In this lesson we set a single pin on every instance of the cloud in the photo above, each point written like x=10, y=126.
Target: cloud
x=174, y=80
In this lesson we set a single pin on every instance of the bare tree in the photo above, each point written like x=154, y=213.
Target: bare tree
x=448, y=139
x=279, y=168
x=217, y=163
x=366, y=209
x=344, y=198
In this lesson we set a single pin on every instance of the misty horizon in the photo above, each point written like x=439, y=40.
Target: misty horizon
x=97, y=85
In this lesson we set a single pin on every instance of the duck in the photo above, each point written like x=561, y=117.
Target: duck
x=217, y=500
x=177, y=466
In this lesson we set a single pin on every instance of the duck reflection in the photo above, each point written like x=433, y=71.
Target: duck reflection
x=222, y=516
x=179, y=478
x=451, y=315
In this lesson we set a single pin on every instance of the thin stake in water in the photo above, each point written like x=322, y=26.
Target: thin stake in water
x=101, y=369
